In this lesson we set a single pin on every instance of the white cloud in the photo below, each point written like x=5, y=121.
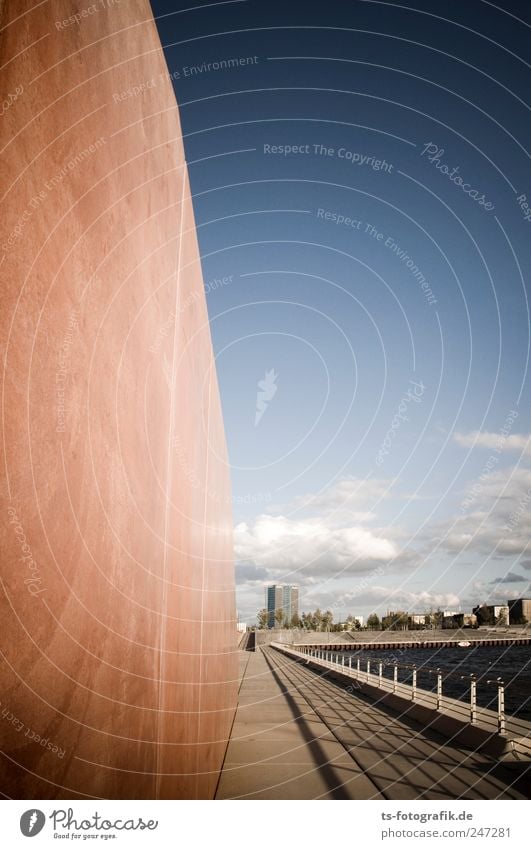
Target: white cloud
x=380, y=598
x=351, y=496
x=489, y=592
x=311, y=546
x=322, y=536
x=510, y=578
x=495, y=441
x=500, y=522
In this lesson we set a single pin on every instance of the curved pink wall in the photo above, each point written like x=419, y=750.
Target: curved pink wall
x=117, y=601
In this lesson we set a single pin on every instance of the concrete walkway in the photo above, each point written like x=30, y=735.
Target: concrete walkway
x=297, y=735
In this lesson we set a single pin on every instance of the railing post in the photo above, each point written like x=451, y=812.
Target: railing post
x=501, y=707
x=414, y=684
x=473, y=716
x=380, y=674
x=368, y=670
x=395, y=677
x=439, y=689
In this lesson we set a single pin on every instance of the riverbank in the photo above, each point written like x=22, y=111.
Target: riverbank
x=517, y=635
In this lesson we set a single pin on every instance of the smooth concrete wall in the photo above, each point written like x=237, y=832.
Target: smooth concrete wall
x=118, y=638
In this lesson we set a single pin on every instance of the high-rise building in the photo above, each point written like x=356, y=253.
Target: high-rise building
x=283, y=597
x=273, y=602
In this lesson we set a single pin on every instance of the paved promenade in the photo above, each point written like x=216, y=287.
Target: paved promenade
x=297, y=735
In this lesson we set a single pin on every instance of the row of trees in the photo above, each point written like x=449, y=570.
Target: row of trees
x=398, y=620
x=401, y=620
x=281, y=620
x=316, y=621
x=319, y=620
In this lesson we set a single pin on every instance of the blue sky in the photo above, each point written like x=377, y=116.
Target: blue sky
x=358, y=180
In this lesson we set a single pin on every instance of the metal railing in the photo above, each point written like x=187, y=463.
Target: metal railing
x=334, y=659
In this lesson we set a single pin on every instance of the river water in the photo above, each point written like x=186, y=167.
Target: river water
x=512, y=665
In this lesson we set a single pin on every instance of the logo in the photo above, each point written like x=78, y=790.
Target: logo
x=31, y=822
x=267, y=389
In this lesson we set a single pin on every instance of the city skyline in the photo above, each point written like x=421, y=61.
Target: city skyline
x=521, y=607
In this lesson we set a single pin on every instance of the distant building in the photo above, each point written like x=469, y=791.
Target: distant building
x=283, y=597
x=519, y=610
x=492, y=614
x=417, y=618
x=460, y=620
x=273, y=602
x=349, y=623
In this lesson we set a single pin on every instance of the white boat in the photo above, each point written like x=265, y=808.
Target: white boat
x=464, y=644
